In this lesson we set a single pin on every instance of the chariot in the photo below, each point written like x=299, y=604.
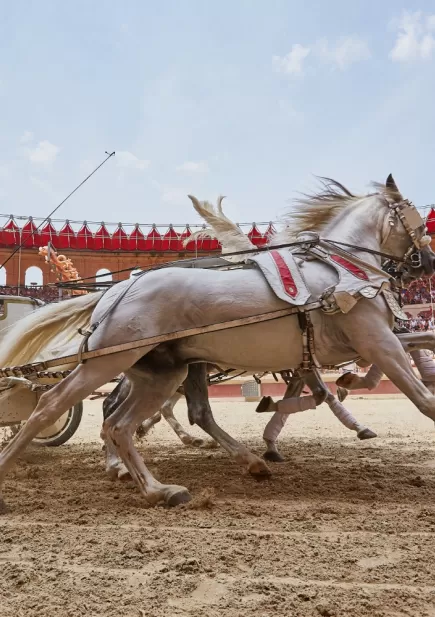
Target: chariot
x=17, y=403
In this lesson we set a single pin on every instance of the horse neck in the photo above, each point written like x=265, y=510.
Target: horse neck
x=360, y=225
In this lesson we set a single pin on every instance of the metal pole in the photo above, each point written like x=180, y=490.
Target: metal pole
x=431, y=302
x=19, y=265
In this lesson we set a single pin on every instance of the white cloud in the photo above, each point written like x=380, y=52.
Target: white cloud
x=26, y=137
x=200, y=167
x=415, y=40
x=292, y=63
x=175, y=196
x=341, y=54
x=45, y=152
x=345, y=52
x=127, y=159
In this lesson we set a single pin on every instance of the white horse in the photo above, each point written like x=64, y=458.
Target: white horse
x=232, y=239
x=174, y=300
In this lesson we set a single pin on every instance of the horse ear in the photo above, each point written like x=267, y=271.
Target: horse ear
x=391, y=184
x=392, y=187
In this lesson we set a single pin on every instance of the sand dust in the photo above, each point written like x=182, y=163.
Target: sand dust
x=343, y=528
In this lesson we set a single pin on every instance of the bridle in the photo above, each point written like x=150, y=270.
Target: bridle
x=411, y=220
x=405, y=212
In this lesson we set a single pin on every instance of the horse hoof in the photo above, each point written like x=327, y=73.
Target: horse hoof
x=193, y=442
x=124, y=475
x=264, y=404
x=345, y=380
x=112, y=473
x=140, y=432
x=273, y=457
x=177, y=499
x=210, y=445
x=366, y=434
x=259, y=470
x=341, y=393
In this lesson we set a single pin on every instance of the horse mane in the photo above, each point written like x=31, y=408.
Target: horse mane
x=314, y=212
x=309, y=213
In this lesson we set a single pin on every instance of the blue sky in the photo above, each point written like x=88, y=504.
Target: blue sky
x=244, y=98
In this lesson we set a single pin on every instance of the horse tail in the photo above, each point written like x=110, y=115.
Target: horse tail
x=223, y=229
x=30, y=336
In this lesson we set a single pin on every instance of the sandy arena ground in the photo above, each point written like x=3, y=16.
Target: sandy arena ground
x=343, y=528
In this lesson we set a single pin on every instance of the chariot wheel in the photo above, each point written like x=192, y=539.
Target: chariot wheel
x=63, y=429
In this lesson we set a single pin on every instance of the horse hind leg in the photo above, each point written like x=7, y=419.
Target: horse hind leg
x=153, y=388
x=167, y=412
x=115, y=468
x=76, y=387
x=196, y=392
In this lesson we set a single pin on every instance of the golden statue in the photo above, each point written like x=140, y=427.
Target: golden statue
x=63, y=267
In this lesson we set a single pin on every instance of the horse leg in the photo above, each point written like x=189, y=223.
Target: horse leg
x=389, y=356
x=275, y=425
x=199, y=410
x=154, y=387
x=115, y=468
x=347, y=419
x=75, y=388
x=412, y=342
x=352, y=381
x=316, y=384
x=148, y=424
x=426, y=368
x=167, y=411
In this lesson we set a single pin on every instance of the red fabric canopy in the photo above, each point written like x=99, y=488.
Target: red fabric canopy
x=30, y=235
x=190, y=246
x=430, y=222
x=153, y=240
x=67, y=238
x=171, y=240
x=10, y=234
x=137, y=240
x=121, y=240
x=48, y=234
x=256, y=237
x=85, y=238
x=102, y=239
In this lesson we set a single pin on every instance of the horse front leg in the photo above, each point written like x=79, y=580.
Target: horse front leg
x=385, y=350
x=412, y=341
x=352, y=381
x=275, y=425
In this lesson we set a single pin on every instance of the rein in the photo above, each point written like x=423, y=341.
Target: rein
x=306, y=244
x=371, y=251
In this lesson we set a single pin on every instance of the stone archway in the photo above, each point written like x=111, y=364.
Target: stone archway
x=34, y=277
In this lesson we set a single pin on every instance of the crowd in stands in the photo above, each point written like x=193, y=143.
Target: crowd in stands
x=418, y=293
x=46, y=294
x=419, y=324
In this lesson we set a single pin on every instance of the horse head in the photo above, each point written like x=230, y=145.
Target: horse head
x=405, y=227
